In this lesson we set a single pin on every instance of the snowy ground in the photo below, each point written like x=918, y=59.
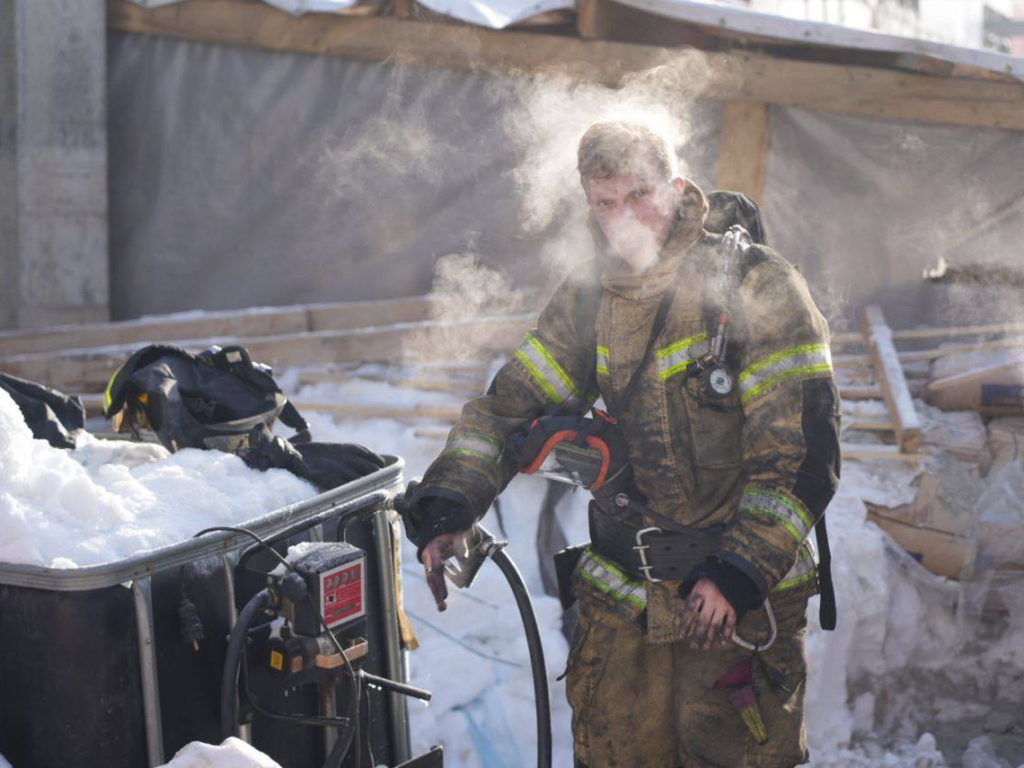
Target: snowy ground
x=902, y=682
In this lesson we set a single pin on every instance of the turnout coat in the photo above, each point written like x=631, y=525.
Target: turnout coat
x=762, y=464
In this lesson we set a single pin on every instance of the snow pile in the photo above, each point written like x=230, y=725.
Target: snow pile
x=107, y=500
x=900, y=667
x=232, y=753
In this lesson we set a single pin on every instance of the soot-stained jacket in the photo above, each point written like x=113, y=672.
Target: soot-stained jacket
x=764, y=464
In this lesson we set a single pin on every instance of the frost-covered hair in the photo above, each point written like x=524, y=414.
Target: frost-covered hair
x=619, y=148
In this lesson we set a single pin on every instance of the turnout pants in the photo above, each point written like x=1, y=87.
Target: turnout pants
x=636, y=704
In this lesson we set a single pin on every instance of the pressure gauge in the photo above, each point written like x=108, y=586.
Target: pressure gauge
x=717, y=381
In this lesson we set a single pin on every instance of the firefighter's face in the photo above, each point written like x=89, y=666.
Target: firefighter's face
x=636, y=215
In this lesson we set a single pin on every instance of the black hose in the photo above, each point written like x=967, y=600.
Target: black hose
x=233, y=658
x=540, y=679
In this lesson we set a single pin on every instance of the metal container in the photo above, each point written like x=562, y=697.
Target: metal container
x=93, y=670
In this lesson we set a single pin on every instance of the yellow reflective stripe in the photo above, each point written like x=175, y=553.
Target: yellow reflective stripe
x=803, y=570
x=608, y=578
x=474, y=445
x=604, y=361
x=677, y=357
x=107, y=395
x=792, y=515
x=549, y=375
x=803, y=360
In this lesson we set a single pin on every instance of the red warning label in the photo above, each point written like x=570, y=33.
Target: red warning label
x=343, y=593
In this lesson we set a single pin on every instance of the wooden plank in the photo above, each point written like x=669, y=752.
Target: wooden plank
x=882, y=452
x=927, y=355
x=732, y=76
x=955, y=349
x=460, y=387
x=917, y=334
x=743, y=148
x=167, y=328
x=446, y=413
x=872, y=392
x=870, y=426
x=234, y=324
x=90, y=369
x=889, y=374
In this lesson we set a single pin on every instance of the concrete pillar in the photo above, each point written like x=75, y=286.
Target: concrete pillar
x=54, y=256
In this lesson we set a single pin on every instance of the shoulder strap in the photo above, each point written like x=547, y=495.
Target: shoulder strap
x=634, y=379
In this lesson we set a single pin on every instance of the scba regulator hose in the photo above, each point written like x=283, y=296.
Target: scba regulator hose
x=537, y=666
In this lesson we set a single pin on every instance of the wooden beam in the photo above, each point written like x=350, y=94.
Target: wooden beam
x=889, y=374
x=734, y=76
x=89, y=370
x=872, y=392
x=590, y=20
x=916, y=334
x=743, y=148
x=884, y=452
x=870, y=426
x=237, y=324
x=449, y=414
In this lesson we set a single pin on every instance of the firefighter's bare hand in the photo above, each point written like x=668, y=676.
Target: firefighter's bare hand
x=439, y=549
x=708, y=618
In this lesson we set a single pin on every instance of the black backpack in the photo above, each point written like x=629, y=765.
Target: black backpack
x=210, y=400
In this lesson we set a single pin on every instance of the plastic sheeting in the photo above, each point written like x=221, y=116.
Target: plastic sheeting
x=241, y=177
x=865, y=206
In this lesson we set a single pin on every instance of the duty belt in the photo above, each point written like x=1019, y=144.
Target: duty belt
x=651, y=553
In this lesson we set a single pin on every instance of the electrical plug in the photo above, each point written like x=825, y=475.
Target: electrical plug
x=190, y=627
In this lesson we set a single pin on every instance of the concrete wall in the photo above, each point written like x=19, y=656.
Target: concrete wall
x=54, y=263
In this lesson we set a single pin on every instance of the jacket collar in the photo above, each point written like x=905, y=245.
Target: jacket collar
x=688, y=229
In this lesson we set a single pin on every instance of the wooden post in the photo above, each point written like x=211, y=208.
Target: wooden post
x=743, y=148
x=592, y=19
x=898, y=401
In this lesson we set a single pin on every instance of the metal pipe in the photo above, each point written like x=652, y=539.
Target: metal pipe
x=142, y=592
x=184, y=552
x=394, y=668
x=329, y=708
x=243, y=730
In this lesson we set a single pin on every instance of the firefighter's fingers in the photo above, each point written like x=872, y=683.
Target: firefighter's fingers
x=701, y=632
x=730, y=626
x=716, y=633
x=691, y=613
x=438, y=586
x=434, y=554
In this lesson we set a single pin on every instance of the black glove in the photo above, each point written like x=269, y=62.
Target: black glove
x=326, y=465
x=431, y=512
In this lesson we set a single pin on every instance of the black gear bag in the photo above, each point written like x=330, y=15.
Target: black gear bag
x=210, y=400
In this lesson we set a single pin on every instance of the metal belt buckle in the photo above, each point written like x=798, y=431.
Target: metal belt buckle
x=641, y=549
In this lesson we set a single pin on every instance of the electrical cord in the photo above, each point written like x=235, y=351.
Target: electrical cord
x=351, y=733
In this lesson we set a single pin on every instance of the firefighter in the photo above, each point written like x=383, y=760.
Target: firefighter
x=653, y=677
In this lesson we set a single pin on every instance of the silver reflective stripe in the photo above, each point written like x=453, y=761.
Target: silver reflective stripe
x=603, y=361
x=677, y=357
x=475, y=445
x=551, y=377
x=795, y=362
x=608, y=578
x=802, y=571
x=788, y=511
